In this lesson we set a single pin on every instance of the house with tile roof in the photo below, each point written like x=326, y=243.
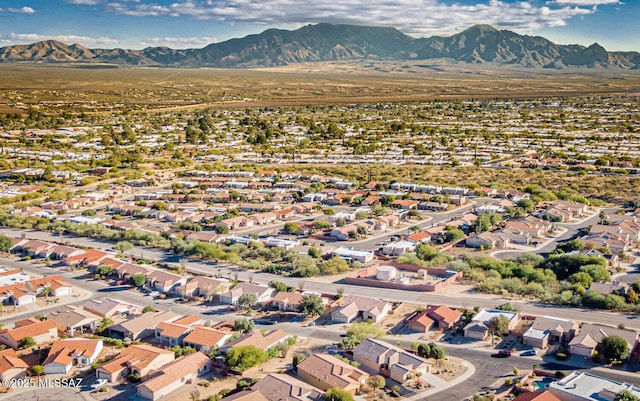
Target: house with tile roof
x=545, y=395
x=326, y=371
x=354, y=307
x=547, y=330
x=591, y=335
x=263, y=292
x=109, y=307
x=201, y=286
x=267, y=340
x=286, y=301
x=247, y=395
x=16, y=294
x=135, y=359
x=65, y=354
x=280, y=387
x=174, y=375
x=12, y=367
x=91, y=257
x=206, y=337
x=173, y=333
x=41, y=331
x=389, y=360
x=440, y=316
x=71, y=320
x=58, y=286
x=139, y=327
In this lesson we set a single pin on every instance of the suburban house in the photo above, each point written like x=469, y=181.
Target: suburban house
x=488, y=240
x=561, y=210
x=11, y=367
x=354, y=307
x=173, y=375
x=56, y=284
x=590, y=336
x=440, y=316
x=41, y=331
x=71, y=319
x=91, y=257
x=389, y=361
x=262, y=292
x=487, y=314
x=612, y=287
x=326, y=371
x=205, y=337
x=16, y=294
x=286, y=301
x=547, y=330
x=350, y=254
x=205, y=287
x=583, y=386
x=135, y=359
x=163, y=281
x=110, y=307
x=280, y=387
x=477, y=330
x=141, y=326
x=65, y=354
x=264, y=341
x=173, y=333
x=545, y=395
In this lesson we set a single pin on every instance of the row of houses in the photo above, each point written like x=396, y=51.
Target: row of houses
x=319, y=372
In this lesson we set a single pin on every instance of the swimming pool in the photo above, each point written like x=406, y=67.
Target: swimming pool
x=543, y=383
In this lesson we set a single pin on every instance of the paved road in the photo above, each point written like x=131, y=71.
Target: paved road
x=467, y=300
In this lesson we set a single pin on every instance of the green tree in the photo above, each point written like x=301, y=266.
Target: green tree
x=243, y=325
x=290, y=227
x=247, y=300
x=614, y=348
x=297, y=360
x=304, y=266
x=625, y=395
x=358, y=332
x=498, y=325
x=335, y=265
x=243, y=357
x=37, y=370
x=27, y=342
x=138, y=280
x=315, y=252
x=148, y=308
x=311, y=305
x=5, y=243
x=376, y=383
x=104, y=270
x=279, y=286
x=453, y=234
x=337, y=394
x=123, y=246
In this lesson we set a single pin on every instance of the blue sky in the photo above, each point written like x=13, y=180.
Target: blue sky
x=135, y=24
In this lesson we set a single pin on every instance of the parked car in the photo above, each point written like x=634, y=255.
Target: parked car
x=153, y=293
x=504, y=353
x=99, y=383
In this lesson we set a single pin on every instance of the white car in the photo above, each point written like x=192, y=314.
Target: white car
x=535, y=351
x=153, y=293
x=99, y=383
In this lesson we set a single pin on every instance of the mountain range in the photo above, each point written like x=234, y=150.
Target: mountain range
x=480, y=44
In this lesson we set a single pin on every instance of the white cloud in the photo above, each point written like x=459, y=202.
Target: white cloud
x=83, y=2
x=22, y=10
x=414, y=17
x=178, y=43
x=13, y=38
x=583, y=2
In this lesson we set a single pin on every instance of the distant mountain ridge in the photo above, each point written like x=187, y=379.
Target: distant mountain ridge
x=480, y=44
